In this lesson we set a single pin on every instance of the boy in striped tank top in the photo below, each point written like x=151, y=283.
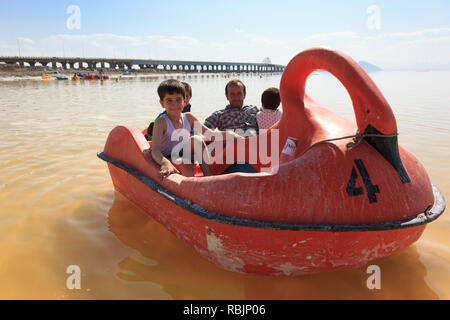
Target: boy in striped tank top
x=171, y=133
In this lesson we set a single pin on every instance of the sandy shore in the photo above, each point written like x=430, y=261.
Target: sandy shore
x=14, y=72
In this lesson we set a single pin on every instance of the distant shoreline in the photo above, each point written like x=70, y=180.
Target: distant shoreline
x=13, y=72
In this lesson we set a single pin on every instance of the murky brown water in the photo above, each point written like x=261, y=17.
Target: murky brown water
x=58, y=206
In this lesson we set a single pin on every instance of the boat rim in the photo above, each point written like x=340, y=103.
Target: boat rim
x=430, y=214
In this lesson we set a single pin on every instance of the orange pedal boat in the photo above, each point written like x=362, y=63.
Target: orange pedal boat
x=327, y=204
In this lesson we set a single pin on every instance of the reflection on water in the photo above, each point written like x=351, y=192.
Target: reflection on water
x=58, y=207
x=184, y=274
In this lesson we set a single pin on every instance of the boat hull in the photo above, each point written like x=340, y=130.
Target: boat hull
x=324, y=204
x=261, y=249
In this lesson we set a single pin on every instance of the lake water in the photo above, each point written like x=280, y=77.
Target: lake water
x=58, y=206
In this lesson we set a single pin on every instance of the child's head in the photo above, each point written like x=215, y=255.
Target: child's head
x=188, y=92
x=171, y=86
x=270, y=99
x=172, y=95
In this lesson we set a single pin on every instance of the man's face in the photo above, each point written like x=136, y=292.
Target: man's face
x=236, y=96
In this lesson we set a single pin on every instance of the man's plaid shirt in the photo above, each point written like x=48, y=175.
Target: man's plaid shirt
x=233, y=118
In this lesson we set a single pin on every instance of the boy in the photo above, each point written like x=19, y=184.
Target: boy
x=236, y=115
x=173, y=125
x=187, y=108
x=270, y=100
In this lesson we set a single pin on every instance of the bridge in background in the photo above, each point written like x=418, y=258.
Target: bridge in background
x=124, y=64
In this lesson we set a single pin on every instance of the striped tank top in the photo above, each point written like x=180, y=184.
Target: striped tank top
x=173, y=136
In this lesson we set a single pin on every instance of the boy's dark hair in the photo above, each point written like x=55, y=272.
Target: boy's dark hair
x=233, y=83
x=170, y=86
x=270, y=98
x=187, y=88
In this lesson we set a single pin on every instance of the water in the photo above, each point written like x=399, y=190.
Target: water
x=58, y=206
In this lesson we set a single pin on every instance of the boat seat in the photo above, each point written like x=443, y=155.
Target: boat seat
x=240, y=167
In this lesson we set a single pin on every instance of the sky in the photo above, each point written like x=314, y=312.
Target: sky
x=394, y=34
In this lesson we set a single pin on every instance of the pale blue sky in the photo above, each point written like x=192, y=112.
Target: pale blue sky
x=395, y=34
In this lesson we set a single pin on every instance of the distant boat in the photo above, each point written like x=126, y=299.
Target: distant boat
x=62, y=77
x=95, y=77
x=56, y=75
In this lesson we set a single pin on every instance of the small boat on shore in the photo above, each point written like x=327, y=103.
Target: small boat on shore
x=95, y=77
x=55, y=75
x=329, y=203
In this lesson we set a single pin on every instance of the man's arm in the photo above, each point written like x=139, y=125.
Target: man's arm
x=224, y=135
x=212, y=121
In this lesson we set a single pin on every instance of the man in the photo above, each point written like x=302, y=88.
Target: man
x=235, y=115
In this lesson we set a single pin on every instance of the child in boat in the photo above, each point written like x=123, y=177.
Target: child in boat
x=172, y=133
x=187, y=108
x=270, y=101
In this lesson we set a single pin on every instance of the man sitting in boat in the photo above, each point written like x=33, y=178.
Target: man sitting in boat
x=235, y=115
x=187, y=108
x=172, y=134
x=269, y=115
